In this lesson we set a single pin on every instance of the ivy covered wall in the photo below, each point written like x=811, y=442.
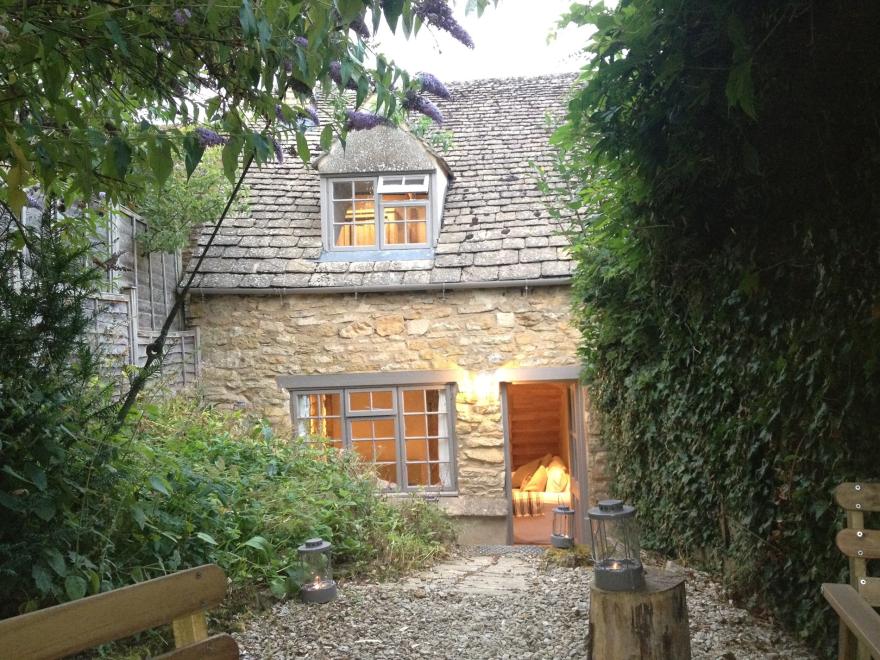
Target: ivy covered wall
x=723, y=161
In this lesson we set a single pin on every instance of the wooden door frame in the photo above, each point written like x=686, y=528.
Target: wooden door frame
x=569, y=376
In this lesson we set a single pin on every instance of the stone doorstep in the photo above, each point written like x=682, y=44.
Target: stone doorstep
x=493, y=576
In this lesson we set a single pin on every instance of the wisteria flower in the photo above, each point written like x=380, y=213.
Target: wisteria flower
x=420, y=104
x=302, y=42
x=363, y=121
x=336, y=76
x=279, y=152
x=312, y=113
x=209, y=138
x=438, y=14
x=181, y=16
x=34, y=201
x=360, y=28
x=433, y=86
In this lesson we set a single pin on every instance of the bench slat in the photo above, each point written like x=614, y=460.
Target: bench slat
x=850, y=543
x=870, y=590
x=217, y=647
x=82, y=624
x=859, y=617
x=868, y=496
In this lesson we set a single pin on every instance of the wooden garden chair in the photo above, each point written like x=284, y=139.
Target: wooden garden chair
x=855, y=602
x=179, y=599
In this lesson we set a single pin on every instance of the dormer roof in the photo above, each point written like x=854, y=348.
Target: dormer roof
x=496, y=227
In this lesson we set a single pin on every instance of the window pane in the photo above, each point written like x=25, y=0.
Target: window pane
x=416, y=450
x=390, y=198
x=321, y=415
x=388, y=473
x=417, y=474
x=415, y=426
x=413, y=401
x=363, y=189
x=342, y=190
x=417, y=232
x=386, y=451
x=370, y=400
x=384, y=428
x=364, y=449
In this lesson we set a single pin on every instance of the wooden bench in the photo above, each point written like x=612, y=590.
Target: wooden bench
x=855, y=602
x=179, y=599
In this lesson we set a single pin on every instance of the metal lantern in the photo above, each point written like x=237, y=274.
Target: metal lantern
x=318, y=587
x=563, y=527
x=615, y=538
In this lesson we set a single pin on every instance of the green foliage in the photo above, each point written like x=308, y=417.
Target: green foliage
x=180, y=203
x=192, y=485
x=101, y=97
x=722, y=160
x=203, y=485
x=52, y=408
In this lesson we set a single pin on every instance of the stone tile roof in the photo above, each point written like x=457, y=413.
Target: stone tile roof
x=495, y=225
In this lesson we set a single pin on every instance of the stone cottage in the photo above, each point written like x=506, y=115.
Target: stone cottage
x=413, y=305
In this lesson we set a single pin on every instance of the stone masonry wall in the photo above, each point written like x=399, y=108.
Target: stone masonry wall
x=249, y=340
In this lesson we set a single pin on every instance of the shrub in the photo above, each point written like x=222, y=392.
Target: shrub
x=200, y=485
x=727, y=156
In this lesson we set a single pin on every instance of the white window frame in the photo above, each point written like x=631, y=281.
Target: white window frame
x=380, y=187
x=396, y=414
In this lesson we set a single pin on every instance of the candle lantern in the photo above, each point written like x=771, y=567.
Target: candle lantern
x=563, y=527
x=318, y=587
x=615, y=538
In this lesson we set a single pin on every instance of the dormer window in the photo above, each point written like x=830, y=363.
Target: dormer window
x=379, y=213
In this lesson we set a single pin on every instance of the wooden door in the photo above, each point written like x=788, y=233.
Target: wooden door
x=577, y=451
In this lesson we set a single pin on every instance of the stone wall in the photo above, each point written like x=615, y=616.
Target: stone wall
x=249, y=340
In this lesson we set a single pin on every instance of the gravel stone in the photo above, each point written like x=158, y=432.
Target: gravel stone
x=490, y=602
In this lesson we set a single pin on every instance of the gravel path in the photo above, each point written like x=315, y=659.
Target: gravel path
x=488, y=606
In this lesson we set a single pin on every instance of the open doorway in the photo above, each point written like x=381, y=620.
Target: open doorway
x=544, y=464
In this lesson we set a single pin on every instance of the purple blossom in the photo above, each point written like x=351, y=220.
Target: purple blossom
x=438, y=14
x=287, y=64
x=279, y=115
x=181, y=16
x=336, y=76
x=279, y=152
x=209, y=138
x=433, y=86
x=418, y=103
x=360, y=28
x=302, y=42
x=312, y=113
x=363, y=121
x=33, y=201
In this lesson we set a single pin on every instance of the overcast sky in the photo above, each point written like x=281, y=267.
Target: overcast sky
x=510, y=40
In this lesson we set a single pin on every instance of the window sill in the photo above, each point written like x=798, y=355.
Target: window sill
x=421, y=493
x=401, y=254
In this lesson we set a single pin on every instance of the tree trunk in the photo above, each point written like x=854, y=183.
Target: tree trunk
x=649, y=624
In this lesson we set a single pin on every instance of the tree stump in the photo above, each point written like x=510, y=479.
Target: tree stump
x=649, y=624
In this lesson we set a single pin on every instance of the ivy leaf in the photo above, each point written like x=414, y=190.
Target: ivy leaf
x=116, y=34
x=160, y=160
x=75, y=587
x=230, y=154
x=159, y=485
x=56, y=562
x=139, y=516
x=279, y=587
x=207, y=538
x=393, y=10
x=326, y=137
x=42, y=578
x=302, y=147
x=247, y=19
x=193, y=152
x=740, y=90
